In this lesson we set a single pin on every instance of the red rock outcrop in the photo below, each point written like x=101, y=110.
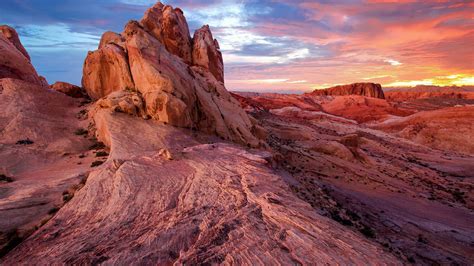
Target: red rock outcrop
x=11, y=34
x=110, y=37
x=169, y=26
x=106, y=70
x=14, y=60
x=69, y=89
x=154, y=58
x=363, y=89
x=207, y=54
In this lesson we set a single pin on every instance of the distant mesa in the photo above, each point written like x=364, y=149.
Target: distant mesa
x=372, y=90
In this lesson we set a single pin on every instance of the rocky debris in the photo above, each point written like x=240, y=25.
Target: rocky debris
x=125, y=102
x=165, y=153
x=14, y=60
x=363, y=89
x=174, y=90
x=69, y=89
x=207, y=54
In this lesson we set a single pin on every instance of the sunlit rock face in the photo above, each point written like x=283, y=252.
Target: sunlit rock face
x=15, y=62
x=180, y=79
x=207, y=54
x=363, y=89
x=169, y=27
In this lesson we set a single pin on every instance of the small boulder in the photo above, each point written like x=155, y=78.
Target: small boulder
x=69, y=89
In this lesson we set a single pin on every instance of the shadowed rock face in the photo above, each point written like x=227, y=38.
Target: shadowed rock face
x=15, y=61
x=363, y=89
x=181, y=84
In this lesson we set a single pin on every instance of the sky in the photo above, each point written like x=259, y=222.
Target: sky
x=273, y=45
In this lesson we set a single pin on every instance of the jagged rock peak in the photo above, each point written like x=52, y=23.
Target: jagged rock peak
x=364, y=89
x=154, y=58
x=206, y=52
x=14, y=60
x=11, y=34
x=169, y=26
x=110, y=37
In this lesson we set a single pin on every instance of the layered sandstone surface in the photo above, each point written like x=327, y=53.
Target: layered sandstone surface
x=203, y=203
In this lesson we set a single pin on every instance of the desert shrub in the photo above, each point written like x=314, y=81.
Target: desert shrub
x=96, y=163
x=4, y=178
x=83, y=179
x=101, y=154
x=67, y=197
x=458, y=196
x=53, y=210
x=81, y=131
x=367, y=232
x=13, y=238
x=26, y=141
x=97, y=146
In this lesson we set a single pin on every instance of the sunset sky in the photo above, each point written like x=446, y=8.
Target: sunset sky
x=271, y=45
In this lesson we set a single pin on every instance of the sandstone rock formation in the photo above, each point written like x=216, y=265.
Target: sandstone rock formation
x=169, y=27
x=69, y=89
x=180, y=84
x=206, y=53
x=331, y=191
x=15, y=61
x=362, y=89
x=110, y=37
x=12, y=36
x=106, y=70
